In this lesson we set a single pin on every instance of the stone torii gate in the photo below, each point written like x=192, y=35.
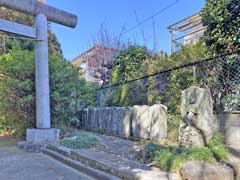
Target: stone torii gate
x=39, y=32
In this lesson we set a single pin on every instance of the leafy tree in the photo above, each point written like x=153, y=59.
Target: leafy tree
x=137, y=61
x=129, y=65
x=54, y=45
x=223, y=35
x=68, y=93
x=222, y=20
x=17, y=92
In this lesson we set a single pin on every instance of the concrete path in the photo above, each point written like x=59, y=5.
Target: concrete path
x=16, y=164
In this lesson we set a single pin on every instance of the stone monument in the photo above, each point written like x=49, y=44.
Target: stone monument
x=198, y=122
x=150, y=122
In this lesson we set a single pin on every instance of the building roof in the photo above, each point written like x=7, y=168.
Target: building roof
x=83, y=57
x=186, y=23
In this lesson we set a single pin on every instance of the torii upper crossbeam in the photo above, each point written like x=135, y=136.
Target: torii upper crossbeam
x=33, y=7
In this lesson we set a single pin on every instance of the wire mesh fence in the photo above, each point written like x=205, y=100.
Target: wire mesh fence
x=220, y=74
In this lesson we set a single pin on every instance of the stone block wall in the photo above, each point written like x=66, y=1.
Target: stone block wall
x=115, y=120
x=144, y=122
x=229, y=125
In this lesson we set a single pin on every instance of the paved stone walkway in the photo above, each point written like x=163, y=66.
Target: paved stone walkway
x=15, y=164
x=116, y=156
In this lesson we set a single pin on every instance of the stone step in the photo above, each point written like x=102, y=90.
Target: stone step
x=79, y=166
x=116, y=165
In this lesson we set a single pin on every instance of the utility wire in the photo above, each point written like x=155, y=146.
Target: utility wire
x=149, y=18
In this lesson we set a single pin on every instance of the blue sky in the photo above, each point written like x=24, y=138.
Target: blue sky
x=115, y=14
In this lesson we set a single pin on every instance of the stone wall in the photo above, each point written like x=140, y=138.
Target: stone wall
x=144, y=122
x=229, y=125
x=115, y=120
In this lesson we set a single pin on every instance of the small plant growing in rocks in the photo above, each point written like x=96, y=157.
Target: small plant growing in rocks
x=170, y=158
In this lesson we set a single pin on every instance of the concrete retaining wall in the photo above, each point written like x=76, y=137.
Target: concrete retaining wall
x=145, y=122
x=229, y=124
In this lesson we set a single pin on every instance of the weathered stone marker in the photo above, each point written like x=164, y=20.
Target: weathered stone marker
x=198, y=123
x=150, y=122
x=42, y=13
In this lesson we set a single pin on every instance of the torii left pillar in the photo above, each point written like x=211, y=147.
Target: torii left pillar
x=43, y=132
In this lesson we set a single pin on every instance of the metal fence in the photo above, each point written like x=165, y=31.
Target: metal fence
x=220, y=74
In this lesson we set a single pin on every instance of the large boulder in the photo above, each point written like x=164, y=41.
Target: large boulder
x=203, y=171
x=150, y=122
x=198, y=122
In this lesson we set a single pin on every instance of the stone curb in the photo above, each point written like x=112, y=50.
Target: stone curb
x=79, y=166
x=67, y=152
x=127, y=173
x=33, y=148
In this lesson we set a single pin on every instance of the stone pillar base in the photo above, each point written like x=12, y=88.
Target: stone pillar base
x=42, y=136
x=37, y=139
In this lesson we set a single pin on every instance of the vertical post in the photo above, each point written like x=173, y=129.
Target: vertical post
x=194, y=71
x=41, y=73
x=171, y=42
x=4, y=45
x=100, y=97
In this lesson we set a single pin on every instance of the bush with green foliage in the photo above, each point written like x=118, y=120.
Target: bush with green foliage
x=10, y=43
x=129, y=65
x=222, y=20
x=173, y=123
x=80, y=140
x=137, y=61
x=170, y=158
x=184, y=77
x=68, y=92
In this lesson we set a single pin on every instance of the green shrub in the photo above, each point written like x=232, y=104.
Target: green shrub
x=164, y=158
x=150, y=151
x=80, y=140
x=217, y=146
x=173, y=127
x=68, y=93
x=170, y=158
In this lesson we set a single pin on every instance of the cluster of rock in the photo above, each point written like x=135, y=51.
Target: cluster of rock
x=196, y=130
x=150, y=122
x=145, y=122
